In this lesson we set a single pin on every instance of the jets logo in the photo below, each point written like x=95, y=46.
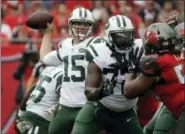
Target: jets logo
x=82, y=50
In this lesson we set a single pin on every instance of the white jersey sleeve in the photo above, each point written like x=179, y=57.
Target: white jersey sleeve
x=52, y=59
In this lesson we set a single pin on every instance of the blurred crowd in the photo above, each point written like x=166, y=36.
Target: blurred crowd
x=142, y=13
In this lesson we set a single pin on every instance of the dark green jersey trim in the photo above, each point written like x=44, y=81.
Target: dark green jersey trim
x=94, y=51
x=88, y=43
x=60, y=44
x=59, y=81
x=99, y=40
x=58, y=55
x=88, y=56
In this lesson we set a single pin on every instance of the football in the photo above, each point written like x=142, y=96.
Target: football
x=39, y=20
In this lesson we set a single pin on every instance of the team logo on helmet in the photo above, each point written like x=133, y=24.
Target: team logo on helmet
x=150, y=37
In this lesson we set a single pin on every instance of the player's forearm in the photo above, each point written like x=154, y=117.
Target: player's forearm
x=133, y=88
x=46, y=45
x=93, y=94
x=23, y=103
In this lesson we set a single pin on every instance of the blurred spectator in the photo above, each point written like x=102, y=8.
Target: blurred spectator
x=6, y=32
x=70, y=4
x=20, y=32
x=113, y=6
x=180, y=8
x=127, y=10
x=167, y=8
x=23, y=71
x=98, y=6
x=14, y=14
x=104, y=16
x=149, y=13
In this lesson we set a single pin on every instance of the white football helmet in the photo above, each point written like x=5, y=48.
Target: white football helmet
x=120, y=33
x=78, y=16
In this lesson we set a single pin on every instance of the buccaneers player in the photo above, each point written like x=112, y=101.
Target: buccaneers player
x=163, y=69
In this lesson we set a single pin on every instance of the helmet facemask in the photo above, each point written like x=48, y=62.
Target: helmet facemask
x=122, y=40
x=80, y=29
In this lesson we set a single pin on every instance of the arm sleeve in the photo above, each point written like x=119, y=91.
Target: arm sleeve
x=52, y=59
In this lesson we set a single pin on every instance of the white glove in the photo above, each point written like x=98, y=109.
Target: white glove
x=22, y=125
x=52, y=110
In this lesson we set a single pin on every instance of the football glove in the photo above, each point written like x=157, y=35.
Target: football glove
x=134, y=59
x=22, y=126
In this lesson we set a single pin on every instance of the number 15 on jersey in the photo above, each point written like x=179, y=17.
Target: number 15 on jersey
x=72, y=60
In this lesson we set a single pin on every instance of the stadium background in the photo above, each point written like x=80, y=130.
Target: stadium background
x=16, y=37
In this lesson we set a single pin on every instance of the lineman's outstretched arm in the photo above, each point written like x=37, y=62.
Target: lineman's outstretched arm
x=93, y=82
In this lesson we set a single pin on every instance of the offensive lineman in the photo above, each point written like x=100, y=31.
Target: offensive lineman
x=108, y=63
x=71, y=53
x=35, y=113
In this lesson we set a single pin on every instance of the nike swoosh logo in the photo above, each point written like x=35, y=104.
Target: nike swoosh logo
x=129, y=119
x=147, y=63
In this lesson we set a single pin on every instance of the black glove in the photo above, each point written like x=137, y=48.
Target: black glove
x=134, y=59
x=107, y=89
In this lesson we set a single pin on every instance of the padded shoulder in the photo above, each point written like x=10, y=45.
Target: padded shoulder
x=149, y=66
x=94, y=48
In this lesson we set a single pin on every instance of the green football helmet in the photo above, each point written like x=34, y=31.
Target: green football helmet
x=159, y=38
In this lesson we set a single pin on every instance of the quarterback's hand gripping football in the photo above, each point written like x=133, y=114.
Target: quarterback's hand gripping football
x=47, y=29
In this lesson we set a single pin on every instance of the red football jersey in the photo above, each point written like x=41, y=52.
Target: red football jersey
x=171, y=93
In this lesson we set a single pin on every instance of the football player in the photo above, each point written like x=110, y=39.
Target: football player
x=71, y=54
x=162, y=69
x=35, y=112
x=107, y=108
x=163, y=120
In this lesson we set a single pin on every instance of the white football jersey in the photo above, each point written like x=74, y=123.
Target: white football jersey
x=46, y=92
x=74, y=68
x=101, y=55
